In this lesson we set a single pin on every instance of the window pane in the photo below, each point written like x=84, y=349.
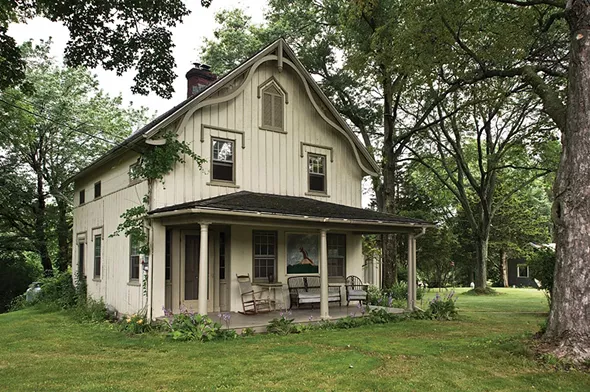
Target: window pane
x=264, y=255
x=278, y=111
x=267, y=110
x=317, y=164
x=82, y=197
x=81, y=271
x=97, y=255
x=223, y=172
x=223, y=151
x=336, y=255
x=316, y=183
x=97, y=190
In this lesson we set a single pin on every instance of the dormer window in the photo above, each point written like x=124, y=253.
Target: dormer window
x=317, y=173
x=223, y=160
x=272, y=108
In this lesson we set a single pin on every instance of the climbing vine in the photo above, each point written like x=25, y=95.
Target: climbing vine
x=153, y=165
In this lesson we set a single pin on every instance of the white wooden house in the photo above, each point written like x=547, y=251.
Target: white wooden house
x=283, y=169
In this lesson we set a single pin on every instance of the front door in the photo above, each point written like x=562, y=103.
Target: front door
x=190, y=271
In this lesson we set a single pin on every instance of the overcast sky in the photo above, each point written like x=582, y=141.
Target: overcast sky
x=188, y=38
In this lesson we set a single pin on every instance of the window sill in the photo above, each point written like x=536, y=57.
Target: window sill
x=225, y=184
x=96, y=280
x=317, y=194
x=337, y=279
x=134, y=283
x=273, y=130
x=97, y=197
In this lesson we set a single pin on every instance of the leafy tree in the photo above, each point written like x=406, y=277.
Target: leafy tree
x=48, y=134
x=117, y=35
x=468, y=150
x=542, y=44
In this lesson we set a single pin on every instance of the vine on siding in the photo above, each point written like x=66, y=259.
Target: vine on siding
x=152, y=166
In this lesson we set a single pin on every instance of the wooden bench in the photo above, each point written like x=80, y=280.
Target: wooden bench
x=306, y=290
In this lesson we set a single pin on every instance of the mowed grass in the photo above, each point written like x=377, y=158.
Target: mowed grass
x=483, y=351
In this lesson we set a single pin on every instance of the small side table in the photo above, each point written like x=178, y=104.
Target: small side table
x=273, y=301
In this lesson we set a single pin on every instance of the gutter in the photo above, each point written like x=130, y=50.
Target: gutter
x=291, y=217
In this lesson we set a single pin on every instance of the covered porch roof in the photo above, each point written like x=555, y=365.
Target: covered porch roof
x=257, y=208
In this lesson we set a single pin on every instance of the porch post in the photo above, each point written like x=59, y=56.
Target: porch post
x=414, y=278
x=324, y=309
x=157, y=268
x=203, y=268
x=411, y=277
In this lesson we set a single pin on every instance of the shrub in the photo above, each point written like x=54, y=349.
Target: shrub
x=442, y=307
x=135, y=324
x=91, y=310
x=541, y=266
x=16, y=273
x=248, y=332
x=281, y=325
x=193, y=326
x=59, y=291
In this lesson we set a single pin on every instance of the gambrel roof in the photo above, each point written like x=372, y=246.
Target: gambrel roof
x=277, y=51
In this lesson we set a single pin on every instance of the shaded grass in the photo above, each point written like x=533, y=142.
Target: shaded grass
x=486, y=349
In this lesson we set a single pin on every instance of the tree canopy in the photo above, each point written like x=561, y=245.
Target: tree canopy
x=117, y=35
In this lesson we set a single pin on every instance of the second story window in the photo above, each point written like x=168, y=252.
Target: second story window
x=272, y=108
x=82, y=197
x=317, y=173
x=97, y=190
x=222, y=164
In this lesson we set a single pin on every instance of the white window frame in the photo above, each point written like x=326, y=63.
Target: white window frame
x=528, y=273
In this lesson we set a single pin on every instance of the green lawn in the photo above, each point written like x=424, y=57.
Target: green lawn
x=50, y=352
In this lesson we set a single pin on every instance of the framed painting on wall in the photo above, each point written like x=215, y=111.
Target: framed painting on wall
x=303, y=251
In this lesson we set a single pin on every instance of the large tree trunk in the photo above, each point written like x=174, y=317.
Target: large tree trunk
x=40, y=222
x=504, y=261
x=481, y=268
x=569, y=319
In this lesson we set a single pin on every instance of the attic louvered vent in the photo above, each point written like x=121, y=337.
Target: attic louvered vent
x=272, y=108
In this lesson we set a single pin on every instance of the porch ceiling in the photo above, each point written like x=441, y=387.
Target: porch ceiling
x=259, y=208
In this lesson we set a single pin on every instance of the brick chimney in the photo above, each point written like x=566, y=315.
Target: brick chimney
x=198, y=78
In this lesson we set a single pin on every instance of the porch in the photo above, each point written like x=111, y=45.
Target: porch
x=258, y=322
x=200, y=247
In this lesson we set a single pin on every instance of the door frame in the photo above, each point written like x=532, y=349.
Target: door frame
x=193, y=304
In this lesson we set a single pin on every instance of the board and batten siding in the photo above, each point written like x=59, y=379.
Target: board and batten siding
x=102, y=215
x=270, y=162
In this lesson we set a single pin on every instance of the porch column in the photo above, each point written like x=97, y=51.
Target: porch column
x=414, y=277
x=411, y=272
x=324, y=309
x=157, y=270
x=203, y=268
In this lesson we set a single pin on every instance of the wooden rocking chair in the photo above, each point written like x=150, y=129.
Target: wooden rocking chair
x=253, y=302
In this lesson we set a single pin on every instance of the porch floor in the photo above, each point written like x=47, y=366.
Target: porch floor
x=258, y=322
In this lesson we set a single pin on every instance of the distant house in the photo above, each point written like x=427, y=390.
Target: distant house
x=519, y=274
x=280, y=195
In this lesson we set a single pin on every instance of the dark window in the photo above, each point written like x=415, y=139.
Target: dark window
x=222, y=255
x=223, y=160
x=97, y=255
x=97, y=190
x=82, y=197
x=81, y=271
x=317, y=173
x=265, y=255
x=272, y=108
x=168, y=253
x=133, y=258
x=336, y=255
x=523, y=270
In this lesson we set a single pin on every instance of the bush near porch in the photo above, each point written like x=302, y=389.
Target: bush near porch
x=485, y=350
